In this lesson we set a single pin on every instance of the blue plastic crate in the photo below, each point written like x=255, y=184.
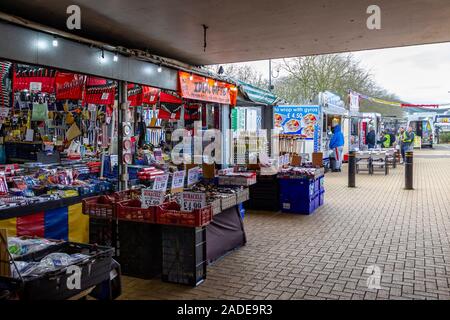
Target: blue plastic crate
x=297, y=188
x=317, y=186
x=321, y=198
x=298, y=207
x=322, y=183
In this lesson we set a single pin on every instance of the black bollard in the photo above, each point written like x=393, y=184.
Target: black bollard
x=351, y=169
x=409, y=170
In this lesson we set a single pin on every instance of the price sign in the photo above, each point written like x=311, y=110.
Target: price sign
x=105, y=96
x=150, y=198
x=158, y=154
x=160, y=183
x=286, y=159
x=193, y=176
x=35, y=86
x=280, y=161
x=178, y=181
x=4, y=112
x=192, y=200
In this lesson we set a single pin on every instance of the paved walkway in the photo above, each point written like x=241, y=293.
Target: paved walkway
x=326, y=255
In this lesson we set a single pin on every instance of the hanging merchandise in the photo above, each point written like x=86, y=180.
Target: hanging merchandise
x=69, y=86
x=104, y=95
x=135, y=97
x=5, y=83
x=34, y=79
x=192, y=112
x=150, y=95
x=169, y=112
x=94, y=81
x=40, y=112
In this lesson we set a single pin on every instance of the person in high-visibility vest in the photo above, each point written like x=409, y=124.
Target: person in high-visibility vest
x=385, y=139
x=407, y=140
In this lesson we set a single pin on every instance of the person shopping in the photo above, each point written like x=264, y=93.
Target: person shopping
x=337, y=145
x=371, y=138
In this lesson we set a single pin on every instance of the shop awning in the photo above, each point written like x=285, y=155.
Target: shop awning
x=256, y=95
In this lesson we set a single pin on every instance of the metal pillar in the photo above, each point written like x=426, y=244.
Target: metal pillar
x=409, y=170
x=123, y=105
x=351, y=169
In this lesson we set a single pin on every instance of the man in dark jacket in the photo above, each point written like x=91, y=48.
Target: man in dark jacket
x=371, y=138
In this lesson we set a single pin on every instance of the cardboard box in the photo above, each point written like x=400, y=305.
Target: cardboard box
x=317, y=159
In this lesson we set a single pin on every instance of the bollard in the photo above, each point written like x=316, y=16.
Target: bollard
x=351, y=169
x=409, y=170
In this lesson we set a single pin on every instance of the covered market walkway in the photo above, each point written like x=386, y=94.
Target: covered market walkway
x=326, y=255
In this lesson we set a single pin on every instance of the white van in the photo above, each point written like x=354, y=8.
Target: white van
x=423, y=127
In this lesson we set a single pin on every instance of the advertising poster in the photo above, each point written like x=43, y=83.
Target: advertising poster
x=301, y=120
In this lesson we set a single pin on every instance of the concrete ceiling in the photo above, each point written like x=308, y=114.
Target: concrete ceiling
x=244, y=30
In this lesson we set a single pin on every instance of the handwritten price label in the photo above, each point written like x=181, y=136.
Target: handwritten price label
x=193, y=176
x=160, y=183
x=192, y=200
x=178, y=181
x=150, y=198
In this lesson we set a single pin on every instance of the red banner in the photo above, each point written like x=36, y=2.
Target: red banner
x=102, y=96
x=46, y=84
x=196, y=87
x=150, y=95
x=69, y=86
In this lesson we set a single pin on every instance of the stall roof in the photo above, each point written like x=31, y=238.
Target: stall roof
x=245, y=30
x=255, y=95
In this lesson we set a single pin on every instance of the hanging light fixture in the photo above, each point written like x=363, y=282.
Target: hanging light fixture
x=116, y=57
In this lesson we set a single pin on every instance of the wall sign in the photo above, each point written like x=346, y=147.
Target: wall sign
x=206, y=89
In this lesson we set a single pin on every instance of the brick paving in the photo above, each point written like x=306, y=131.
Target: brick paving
x=326, y=255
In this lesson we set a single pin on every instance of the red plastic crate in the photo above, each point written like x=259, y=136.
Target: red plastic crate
x=129, y=194
x=170, y=214
x=99, y=207
x=131, y=210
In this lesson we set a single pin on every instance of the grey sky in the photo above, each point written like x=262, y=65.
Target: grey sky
x=417, y=74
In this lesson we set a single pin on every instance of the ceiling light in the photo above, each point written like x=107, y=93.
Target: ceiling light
x=159, y=69
x=55, y=42
x=116, y=57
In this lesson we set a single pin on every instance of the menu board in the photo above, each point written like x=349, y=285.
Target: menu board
x=301, y=120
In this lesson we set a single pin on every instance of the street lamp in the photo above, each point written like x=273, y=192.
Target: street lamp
x=271, y=75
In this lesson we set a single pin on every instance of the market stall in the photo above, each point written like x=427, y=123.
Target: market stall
x=55, y=129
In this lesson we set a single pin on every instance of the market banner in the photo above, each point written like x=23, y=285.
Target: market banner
x=301, y=120
x=45, y=84
x=196, y=87
x=69, y=86
x=100, y=95
x=150, y=95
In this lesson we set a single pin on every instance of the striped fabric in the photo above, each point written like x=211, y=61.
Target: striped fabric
x=66, y=223
x=256, y=94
